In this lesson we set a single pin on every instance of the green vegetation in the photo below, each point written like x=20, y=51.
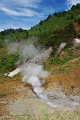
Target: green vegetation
x=65, y=68
x=55, y=115
x=55, y=29
x=69, y=54
x=61, y=35
x=13, y=35
x=56, y=21
x=48, y=31
x=2, y=95
x=7, y=63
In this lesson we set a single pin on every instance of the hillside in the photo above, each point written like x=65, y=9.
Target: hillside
x=62, y=85
x=56, y=21
x=51, y=32
x=16, y=94
x=47, y=29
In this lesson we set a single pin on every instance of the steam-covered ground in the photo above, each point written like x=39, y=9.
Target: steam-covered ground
x=19, y=94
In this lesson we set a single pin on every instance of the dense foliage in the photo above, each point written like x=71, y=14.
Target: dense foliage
x=48, y=27
x=7, y=63
x=13, y=35
x=61, y=35
x=56, y=21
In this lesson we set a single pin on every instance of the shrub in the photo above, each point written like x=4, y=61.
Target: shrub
x=7, y=63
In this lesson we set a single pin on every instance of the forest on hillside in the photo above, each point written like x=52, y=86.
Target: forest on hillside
x=48, y=30
x=55, y=29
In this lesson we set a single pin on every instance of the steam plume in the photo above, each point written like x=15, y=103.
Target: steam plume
x=31, y=72
x=62, y=45
x=31, y=75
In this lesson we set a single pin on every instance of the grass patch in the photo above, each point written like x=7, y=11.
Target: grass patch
x=55, y=115
x=70, y=54
x=7, y=63
x=62, y=69
x=43, y=113
x=3, y=52
x=65, y=68
x=56, y=61
x=2, y=95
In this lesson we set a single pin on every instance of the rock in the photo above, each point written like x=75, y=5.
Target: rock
x=76, y=41
x=39, y=59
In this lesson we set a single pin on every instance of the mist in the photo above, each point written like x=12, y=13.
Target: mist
x=32, y=72
x=62, y=45
x=26, y=51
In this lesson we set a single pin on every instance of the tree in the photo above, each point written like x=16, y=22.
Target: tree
x=49, y=16
x=64, y=12
x=55, y=14
x=72, y=17
x=41, y=22
x=20, y=30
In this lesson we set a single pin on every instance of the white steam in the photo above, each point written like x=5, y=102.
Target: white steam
x=31, y=75
x=31, y=72
x=25, y=51
x=34, y=70
x=13, y=47
x=28, y=52
x=62, y=45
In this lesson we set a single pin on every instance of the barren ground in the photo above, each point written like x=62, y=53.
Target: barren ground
x=13, y=88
